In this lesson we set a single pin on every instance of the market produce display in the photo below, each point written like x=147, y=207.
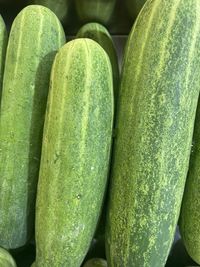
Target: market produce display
x=99, y=167
x=35, y=37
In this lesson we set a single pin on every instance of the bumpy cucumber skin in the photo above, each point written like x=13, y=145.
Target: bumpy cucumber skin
x=59, y=7
x=6, y=260
x=134, y=7
x=155, y=120
x=3, y=45
x=99, y=10
x=189, y=222
x=75, y=154
x=35, y=37
x=100, y=34
x=96, y=263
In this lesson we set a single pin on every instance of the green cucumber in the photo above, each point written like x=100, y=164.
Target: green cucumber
x=33, y=264
x=35, y=36
x=189, y=222
x=100, y=34
x=99, y=10
x=6, y=260
x=75, y=154
x=3, y=45
x=59, y=7
x=96, y=263
x=134, y=7
x=154, y=127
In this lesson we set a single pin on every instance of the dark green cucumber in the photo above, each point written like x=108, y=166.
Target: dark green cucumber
x=100, y=34
x=96, y=263
x=3, y=45
x=98, y=10
x=59, y=7
x=189, y=222
x=35, y=36
x=154, y=127
x=6, y=260
x=134, y=7
x=75, y=154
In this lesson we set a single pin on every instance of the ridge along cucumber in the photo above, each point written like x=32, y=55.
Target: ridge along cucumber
x=6, y=260
x=97, y=262
x=35, y=37
x=100, y=34
x=3, y=45
x=134, y=7
x=154, y=126
x=59, y=7
x=189, y=222
x=75, y=154
x=99, y=11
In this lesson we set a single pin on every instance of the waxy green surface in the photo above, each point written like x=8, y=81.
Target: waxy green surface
x=100, y=34
x=75, y=154
x=6, y=260
x=155, y=120
x=35, y=37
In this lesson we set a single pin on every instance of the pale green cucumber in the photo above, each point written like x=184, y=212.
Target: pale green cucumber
x=98, y=10
x=59, y=7
x=96, y=263
x=100, y=34
x=3, y=45
x=189, y=222
x=35, y=36
x=6, y=260
x=75, y=154
x=154, y=127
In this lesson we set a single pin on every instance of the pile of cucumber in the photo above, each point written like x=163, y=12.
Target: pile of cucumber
x=88, y=157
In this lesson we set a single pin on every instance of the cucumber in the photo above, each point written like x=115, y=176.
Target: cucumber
x=33, y=264
x=155, y=119
x=134, y=7
x=3, y=45
x=75, y=154
x=100, y=34
x=59, y=7
x=189, y=222
x=96, y=263
x=6, y=260
x=35, y=36
x=99, y=10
